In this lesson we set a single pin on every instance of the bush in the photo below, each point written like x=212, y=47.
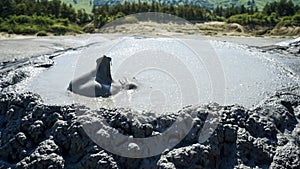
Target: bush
x=21, y=19
x=242, y=19
x=218, y=18
x=257, y=18
x=4, y=27
x=59, y=29
x=296, y=19
x=10, y=31
x=42, y=20
x=74, y=28
x=89, y=28
x=42, y=33
x=22, y=29
x=64, y=21
x=286, y=21
x=273, y=18
x=30, y=30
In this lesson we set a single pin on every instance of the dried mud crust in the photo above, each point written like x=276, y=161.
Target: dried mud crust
x=35, y=135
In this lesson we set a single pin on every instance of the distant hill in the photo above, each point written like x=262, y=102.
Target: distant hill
x=211, y=4
x=87, y=5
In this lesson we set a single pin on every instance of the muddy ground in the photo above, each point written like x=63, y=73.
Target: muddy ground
x=37, y=135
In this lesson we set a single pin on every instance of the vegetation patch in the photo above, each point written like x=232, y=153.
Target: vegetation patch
x=40, y=17
x=55, y=17
x=42, y=33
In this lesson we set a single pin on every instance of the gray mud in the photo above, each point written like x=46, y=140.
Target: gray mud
x=37, y=135
x=288, y=53
x=291, y=47
x=13, y=49
x=205, y=70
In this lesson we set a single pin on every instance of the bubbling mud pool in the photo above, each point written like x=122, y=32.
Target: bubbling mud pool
x=170, y=74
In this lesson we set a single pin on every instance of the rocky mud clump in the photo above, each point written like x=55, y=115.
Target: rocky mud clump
x=37, y=135
x=292, y=48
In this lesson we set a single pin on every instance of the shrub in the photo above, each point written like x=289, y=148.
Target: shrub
x=257, y=18
x=74, y=28
x=23, y=29
x=273, y=18
x=296, y=19
x=4, y=27
x=21, y=19
x=242, y=19
x=42, y=20
x=89, y=28
x=42, y=33
x=64, y=21
x=286, y=21
x=59, y=29
x=218, y=18
x=10, y=31
x=30, y=30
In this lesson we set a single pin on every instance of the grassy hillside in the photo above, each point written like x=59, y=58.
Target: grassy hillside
x=211, y=4
x=87, y=5
x=259, y=3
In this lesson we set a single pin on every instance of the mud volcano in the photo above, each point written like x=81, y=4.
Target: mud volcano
x=258, y=122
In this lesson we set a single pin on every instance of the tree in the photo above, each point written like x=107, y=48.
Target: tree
x=218, y=11
x=7, y=8
x=82, y=17
x=243, y=9
x=283, y=8
x=21, y=9
x=54, y=8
